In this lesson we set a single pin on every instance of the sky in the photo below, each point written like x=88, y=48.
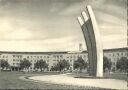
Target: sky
x=51, y=25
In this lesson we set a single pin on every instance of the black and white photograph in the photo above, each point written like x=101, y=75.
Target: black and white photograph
x=63, y=44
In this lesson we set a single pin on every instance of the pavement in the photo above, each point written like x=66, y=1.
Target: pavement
x=69, y=80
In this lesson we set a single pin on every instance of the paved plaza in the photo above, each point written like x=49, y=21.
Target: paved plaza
x=69, y=80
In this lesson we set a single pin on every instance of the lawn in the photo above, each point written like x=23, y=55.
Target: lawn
x=12, y=80
x=119, y=76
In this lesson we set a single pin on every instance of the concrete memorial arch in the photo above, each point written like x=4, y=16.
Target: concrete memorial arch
x=93, y=42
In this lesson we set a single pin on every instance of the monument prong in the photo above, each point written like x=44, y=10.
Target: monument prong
x=84, y=15
x=81, y=22
x=99, y=49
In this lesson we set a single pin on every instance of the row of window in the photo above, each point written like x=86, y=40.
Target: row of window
x=17, y=56
x=37, y=56
x=117, y=54
x=17, y=60
x=61, y=56
x=61, y=60
x=38, y=60
x=16, y=63
x=3, y=56
x=55, y=56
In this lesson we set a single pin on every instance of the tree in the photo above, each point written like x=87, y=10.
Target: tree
x=55, y=68
x=80, y=64
x=106, y=63
x=25, y=64
x=122, y=64
x=61, y=65
x=41, y=65
x=4, y=64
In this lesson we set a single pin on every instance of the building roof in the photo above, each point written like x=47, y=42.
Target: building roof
x=14, y=52
x=61, y=52
x=116, y=49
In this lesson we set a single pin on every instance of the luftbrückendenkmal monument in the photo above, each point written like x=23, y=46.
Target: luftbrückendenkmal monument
x=93, y=42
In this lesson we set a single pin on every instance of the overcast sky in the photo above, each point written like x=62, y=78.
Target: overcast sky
x=51, y=25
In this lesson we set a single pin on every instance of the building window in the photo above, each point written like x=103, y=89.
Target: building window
x=117, y=54
x=57, y=56
x=20, y=56
x=61, y=56
x=125, y=54
x=13, y=59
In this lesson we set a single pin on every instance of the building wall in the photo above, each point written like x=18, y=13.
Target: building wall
x=115, y=55
x=51, y=58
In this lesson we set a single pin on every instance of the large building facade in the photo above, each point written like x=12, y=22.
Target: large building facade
x=52, y=58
